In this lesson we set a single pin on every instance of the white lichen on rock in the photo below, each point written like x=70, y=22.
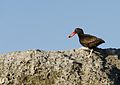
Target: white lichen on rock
x=72, y=67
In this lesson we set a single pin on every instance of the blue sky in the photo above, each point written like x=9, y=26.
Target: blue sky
x=45, y=24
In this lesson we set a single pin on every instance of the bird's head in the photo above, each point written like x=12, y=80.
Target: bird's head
x=78, y=31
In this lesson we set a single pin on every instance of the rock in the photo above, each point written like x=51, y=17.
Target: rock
x=72, y=67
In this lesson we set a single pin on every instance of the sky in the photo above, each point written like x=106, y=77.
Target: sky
x=45, y=24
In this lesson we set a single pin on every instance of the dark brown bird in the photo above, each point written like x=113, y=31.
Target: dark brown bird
x=87, y=40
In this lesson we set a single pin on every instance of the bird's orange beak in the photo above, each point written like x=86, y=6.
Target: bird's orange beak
x=72, y=34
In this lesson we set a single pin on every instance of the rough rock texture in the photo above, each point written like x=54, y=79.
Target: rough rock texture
x=73, y=67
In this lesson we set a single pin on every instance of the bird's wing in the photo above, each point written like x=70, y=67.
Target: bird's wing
x=88, y=38
x=91, y=40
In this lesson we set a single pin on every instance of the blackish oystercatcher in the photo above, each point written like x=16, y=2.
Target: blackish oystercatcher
x=87, y=40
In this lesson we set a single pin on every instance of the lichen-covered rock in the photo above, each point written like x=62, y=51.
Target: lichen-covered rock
x=73, y=67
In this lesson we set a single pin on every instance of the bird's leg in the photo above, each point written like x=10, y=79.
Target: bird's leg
x=90, y=53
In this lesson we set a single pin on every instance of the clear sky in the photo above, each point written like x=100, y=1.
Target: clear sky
x=45, y=24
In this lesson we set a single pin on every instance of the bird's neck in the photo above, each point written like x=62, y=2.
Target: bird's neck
x=80, y=35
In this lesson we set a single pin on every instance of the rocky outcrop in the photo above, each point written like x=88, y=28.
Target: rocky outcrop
x=73, y=67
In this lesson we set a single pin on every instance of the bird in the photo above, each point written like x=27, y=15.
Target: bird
x=87, y=40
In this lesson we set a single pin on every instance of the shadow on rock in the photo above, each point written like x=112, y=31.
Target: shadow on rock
x=114, y=75
x=114, y=72
x=107, y=52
